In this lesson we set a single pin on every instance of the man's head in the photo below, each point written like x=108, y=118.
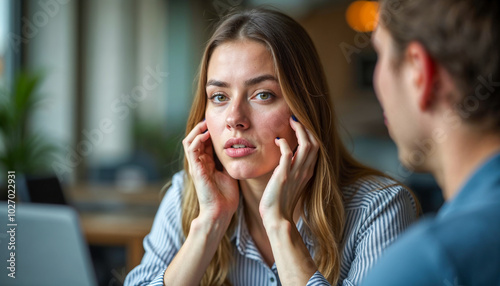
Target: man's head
x=438, y=69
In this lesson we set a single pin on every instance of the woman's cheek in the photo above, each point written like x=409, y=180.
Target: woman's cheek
x=214, y=128
x=272, y=128
x=211, y=119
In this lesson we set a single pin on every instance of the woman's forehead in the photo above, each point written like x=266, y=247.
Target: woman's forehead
x=240, y=59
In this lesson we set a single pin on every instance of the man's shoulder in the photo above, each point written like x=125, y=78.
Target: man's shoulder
x=469, y=226
x=457, y=232
x=470, y=232
x=464, y=244
x=416, y=258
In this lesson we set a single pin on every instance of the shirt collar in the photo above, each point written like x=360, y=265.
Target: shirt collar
x=241, y=236
x=478, y=189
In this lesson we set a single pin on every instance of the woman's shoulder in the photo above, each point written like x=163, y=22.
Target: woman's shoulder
x=172, y=200
x=178, y=180
x=372, y=192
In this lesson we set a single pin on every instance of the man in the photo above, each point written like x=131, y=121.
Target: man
x=438, y=81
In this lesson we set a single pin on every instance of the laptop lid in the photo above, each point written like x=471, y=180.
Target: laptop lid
x=43, y=245
x=42, y=189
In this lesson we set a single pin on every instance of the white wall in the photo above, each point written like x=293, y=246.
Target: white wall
x=152, y=53
x=49, y=34
x=108, y=80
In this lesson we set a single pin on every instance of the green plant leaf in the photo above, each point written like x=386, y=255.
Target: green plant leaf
x=23, y=151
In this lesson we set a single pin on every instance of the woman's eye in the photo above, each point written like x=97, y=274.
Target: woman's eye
x=264, y=95
x=218, y=97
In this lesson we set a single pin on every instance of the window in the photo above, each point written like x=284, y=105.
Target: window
x=4, y=33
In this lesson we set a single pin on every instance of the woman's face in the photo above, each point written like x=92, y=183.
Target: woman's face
x=246, y=109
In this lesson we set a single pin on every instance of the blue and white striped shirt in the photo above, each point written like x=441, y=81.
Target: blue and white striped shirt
x=376, y=213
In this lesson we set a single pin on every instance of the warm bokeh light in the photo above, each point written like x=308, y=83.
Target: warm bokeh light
x=362, y=15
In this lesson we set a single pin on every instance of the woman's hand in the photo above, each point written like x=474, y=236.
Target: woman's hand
x=218, y=193
x=283, y=191
x=290, y=177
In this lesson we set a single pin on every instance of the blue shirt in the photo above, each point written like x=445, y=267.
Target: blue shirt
x=376, y=213
x=460, y=246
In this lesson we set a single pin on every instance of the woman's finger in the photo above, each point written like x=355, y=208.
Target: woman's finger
x=208, y=145
x=195, y=149
x=198, y=129
x=188, y=140
x=286, y=155
x=304, y=144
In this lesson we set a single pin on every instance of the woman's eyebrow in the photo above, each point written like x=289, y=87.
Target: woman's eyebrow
x=217, y=83
x=259, y=79
x=249, y=82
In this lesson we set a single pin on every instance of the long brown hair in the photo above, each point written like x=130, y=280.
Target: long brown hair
x=304, y=87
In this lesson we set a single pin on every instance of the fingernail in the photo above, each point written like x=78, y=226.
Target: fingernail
x=294, y=118
x=278, y=138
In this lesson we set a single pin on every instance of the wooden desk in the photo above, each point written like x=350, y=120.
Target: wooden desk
x=118, y=229
x=119, y=219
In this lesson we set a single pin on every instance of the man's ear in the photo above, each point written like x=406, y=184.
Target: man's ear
x=423, y=72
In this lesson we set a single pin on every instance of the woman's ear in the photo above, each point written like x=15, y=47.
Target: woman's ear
x=423, y=73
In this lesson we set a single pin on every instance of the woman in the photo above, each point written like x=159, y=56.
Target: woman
x=268, y=188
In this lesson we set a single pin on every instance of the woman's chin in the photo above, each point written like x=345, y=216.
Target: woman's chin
x=239, y=174
x=246, y=170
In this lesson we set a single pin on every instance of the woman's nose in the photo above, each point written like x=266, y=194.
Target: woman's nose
x=237, y=116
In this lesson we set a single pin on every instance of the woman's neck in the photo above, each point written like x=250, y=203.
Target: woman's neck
x=252, y=190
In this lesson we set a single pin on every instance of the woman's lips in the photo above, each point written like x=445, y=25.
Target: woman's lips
x=239, y=152
x=238, y=147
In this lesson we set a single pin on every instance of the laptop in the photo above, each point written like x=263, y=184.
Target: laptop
x=41, y=189
x=49, y=247
x=48, y=190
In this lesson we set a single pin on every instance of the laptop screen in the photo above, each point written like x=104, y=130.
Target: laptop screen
x=46, y=190
x=49, y=248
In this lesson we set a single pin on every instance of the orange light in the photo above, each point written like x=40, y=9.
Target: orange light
x=362, y=16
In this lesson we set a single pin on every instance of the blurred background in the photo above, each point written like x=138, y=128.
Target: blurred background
x=95, y=96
